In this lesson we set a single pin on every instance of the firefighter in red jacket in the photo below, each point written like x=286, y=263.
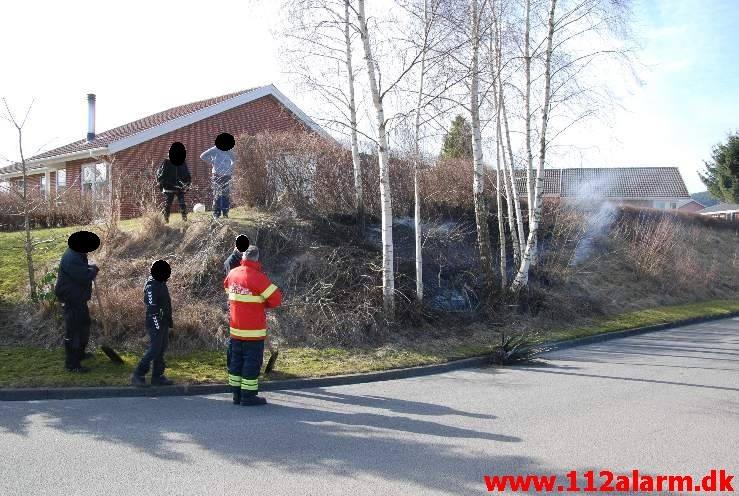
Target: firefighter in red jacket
x=250, y=294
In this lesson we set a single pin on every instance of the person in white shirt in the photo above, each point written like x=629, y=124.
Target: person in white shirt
x=222, y=160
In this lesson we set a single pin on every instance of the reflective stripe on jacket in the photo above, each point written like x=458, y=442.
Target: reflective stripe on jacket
x=250, y=293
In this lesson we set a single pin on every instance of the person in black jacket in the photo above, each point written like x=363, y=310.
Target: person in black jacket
x=74, y=289
x=158, y=323
x=174, y=178
x=234, y=260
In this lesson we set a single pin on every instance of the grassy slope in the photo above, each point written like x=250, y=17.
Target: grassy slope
x=26, y=366
x=29, y=366
x=13, y=271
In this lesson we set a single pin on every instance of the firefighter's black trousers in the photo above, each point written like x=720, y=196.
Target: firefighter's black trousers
x=77, y=333
x=244, y=366
x=159, y=339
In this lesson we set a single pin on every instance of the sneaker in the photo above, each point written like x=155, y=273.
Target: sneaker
x=236, y=398
x=138, y=381
x=78, y=370
x=253, y=401
x=161, y=381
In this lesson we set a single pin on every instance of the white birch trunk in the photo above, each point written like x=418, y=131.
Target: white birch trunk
x=499, y=203
x=28, y=245
x=522, y=277
x=478, y=182
x=358, y=190
x=527, y=113
x=388, y=276
x=511, y=177
x=417, y=159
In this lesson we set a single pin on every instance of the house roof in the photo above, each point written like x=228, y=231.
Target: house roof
x=138, y=131
x=610, y=182
x=720, y=207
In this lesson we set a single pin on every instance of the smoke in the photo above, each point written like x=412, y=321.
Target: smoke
x=591, y=201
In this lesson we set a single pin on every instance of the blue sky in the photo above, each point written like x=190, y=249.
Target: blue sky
x=690, y=96
x=689, y=67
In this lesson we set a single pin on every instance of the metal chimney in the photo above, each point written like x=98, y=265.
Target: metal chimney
x=90, y=116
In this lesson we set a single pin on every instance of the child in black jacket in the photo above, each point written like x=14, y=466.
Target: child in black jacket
x=158, y=323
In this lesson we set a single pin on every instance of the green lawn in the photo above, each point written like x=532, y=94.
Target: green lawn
x=29, y=367
x=46, y=254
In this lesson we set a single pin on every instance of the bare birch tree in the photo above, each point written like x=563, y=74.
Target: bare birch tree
x=28, y=244
x=478, y=186
x=386, y=222
x=573, y=41
x=522, y=277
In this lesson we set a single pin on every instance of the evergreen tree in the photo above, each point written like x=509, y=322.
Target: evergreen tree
x=458, y=140
x=722, y=173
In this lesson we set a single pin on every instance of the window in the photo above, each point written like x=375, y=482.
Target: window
x=673, y=205
x=660, y=204
x=43, y=184
x=94, y=174
x=94, y=178
x=61, y=179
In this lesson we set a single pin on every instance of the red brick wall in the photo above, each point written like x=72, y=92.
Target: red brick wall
x=135, y=163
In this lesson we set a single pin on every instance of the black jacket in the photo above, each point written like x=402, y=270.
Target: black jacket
x=233, y=261
x=173, y=177
x=74, y=280
x=158, y=304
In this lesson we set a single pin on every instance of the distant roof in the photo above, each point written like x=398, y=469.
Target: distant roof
x=720, y=207
x=140, y=130
x=611, y=182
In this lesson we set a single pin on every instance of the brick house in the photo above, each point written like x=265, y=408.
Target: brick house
x=122, y=156
x=645, y=187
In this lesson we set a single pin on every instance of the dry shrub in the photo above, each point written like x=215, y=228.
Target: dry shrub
x=334, y=300
x=301, y=170
x=652, y=243
x=66, y=209
x=447, y=187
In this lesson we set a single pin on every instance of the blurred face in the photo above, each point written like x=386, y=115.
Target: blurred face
x=160, y=270
x=225, y=141
x=83, y=241
x=177, y=153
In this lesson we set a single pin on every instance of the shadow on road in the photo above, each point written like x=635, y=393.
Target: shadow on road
x=306, y=432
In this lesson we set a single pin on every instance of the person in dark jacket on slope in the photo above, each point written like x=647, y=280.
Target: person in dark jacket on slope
x=234, y=260
x=74, y=289
x=174, y=178
x=158, y=323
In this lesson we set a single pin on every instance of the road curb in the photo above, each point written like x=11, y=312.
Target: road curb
x=35, y=394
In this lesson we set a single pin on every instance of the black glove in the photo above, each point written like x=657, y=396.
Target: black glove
x=171, y=323
x=95, y=270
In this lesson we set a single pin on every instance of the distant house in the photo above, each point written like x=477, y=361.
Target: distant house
x=728, y=211
x=645, y=187
x=691, y=206
x=133, y=150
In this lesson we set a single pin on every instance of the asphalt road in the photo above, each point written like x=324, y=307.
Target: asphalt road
x=664, y=402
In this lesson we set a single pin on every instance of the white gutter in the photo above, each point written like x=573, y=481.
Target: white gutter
x=42, y=165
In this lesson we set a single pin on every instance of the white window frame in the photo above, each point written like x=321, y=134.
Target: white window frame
x=98, y=186
x=61, y=184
